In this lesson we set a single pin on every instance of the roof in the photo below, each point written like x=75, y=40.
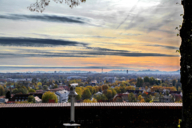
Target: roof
x=100, y=104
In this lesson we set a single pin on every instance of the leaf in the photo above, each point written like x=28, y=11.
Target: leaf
x=181, y=14
x=178, y=51
x=177, y=34
x=176, y=28
x=180, y=26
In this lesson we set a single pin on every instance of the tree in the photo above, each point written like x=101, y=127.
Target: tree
x=2, y=90
x=174, y=81
x=45, y=87
x=131, y=97
x=91, y=89
x=39, y=84
x=152, y=80
x=44, y=81
x=49, y=96
x=86, y=94
x=129, y=88
x=109, y=94
x=132, y=81
x=31, y=99
x=139, y=98
x=146, y=79
x=139, y=82
x=32, y=90
x=104, y=87
x=186, y=63
x=15, y=91
x=117, y=89
x=55, y=86
x=87, y=101
x=101, y=97
x=34, y=80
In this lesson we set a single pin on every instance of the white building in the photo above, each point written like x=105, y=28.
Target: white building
x=62, y=96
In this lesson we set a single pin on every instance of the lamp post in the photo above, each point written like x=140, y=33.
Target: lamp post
x=72, y=95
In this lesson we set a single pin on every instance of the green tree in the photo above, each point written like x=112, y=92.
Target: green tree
x=49, y=96
x=55, y=86
x=139, y=82
x=2, y=90
x=131, y=97
x=113, y=92
x=174, y=81
x=91, y=89
x=32, y=90
x=146, y=79
x=45, y=87
x=31, y=99
x=152, y=80
x=109, y=94
x=100, y=97
x=34, y=80
x=122, y=88
x=117, y=89
x=15, y=91
x=86, y=94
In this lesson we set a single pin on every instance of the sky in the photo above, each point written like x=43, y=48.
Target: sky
x=114, y=34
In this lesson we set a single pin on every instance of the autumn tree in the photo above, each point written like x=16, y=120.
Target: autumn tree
x=32, y=90
x=139, y=98
x=117, y=89
x=131, y=97
x=79, y=91
x=55, y=86
x=104, y=87
x=100, y=97
x=129, y=88
x=45, y=87
x=86, y=94
x=108, y=94
x=31, y=99
x=2, y=90
x=49, y=96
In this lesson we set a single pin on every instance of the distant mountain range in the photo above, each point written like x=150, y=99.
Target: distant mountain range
x=145, y=71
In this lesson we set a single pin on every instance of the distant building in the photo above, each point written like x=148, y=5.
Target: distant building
x=93, y=82
x=110, y=79
x=122, y=79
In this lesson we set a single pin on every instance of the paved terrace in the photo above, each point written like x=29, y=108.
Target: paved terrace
x=92, y=115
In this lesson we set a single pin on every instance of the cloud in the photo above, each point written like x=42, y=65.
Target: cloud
x=72, y=53
x=156, y=17
x=167, y=47
x=97, y=53
x=47, y=18
x=36, y=42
